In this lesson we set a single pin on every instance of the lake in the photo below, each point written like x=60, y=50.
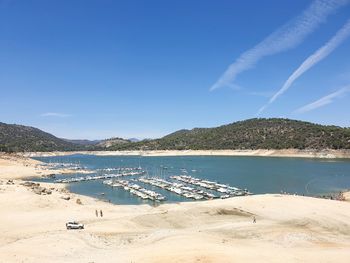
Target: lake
x=257, y=174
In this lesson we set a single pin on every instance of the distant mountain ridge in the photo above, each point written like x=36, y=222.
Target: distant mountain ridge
x=20, y=138
x=273, y=133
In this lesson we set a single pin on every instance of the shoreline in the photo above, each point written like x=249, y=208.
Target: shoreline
x=301, y=229
x=43, y=171
x=291, y=153
x=17, y=166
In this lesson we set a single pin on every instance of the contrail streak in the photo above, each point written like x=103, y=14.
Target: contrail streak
x=312, y=60
x=288, y=36
x=323, y=101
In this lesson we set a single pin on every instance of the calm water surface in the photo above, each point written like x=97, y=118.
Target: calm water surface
x=257, y=174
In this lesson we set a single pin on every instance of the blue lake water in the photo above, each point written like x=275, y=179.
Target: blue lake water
x=257, y=174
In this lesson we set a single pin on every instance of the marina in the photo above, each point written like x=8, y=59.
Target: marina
x=177, y=188
x=136, y=189
x=119, y=169
x=200, y=178
x=212, y=185
x=97, y=177
x=57, y=165
x=195, y=191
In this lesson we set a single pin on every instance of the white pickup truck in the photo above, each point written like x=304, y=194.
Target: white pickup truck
x=74, y=225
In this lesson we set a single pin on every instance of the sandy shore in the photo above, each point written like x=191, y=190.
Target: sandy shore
x=288, y=228
x=270, y=153
x=19, y=167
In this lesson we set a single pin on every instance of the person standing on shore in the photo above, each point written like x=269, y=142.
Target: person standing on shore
x=101, y=214
x=254, y=219
x=96, y=212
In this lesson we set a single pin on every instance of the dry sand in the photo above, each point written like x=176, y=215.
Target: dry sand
x=288, y=228
x=16, y=166
x=327, y=153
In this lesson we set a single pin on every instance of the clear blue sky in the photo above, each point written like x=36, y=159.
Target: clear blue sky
x=97, y=69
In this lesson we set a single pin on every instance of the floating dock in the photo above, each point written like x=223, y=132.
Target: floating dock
x=97, y=177
x=120, y=169
x=136, y=189
x=227, y=190
x=177, y=188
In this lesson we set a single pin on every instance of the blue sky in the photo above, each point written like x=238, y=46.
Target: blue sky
x=97, y=69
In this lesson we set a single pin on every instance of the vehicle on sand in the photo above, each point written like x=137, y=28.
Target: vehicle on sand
x=74, y=225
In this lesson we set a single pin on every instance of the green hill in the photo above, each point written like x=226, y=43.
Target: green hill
x=17, y=138
x=248, y=134
x=273, y=133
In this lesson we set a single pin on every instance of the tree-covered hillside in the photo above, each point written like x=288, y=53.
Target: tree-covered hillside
x=273, y=133
x=17, y=138
x=248, y=134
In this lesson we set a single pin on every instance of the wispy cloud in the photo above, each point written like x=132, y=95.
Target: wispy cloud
x=324, y=100
x=288, y=36
x=55, y=114
x=312, y=60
